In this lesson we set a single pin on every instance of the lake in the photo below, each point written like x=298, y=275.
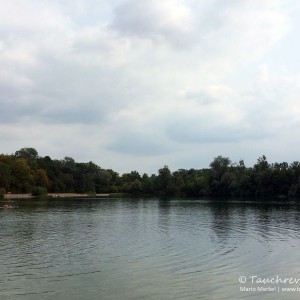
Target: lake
x=149, y=249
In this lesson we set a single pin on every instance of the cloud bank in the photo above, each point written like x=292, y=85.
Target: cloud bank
x=134, y=85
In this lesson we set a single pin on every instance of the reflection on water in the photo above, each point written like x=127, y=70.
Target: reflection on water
x=145, y=248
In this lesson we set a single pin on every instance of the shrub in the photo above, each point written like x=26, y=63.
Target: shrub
x=39, y=191
x=2, y=192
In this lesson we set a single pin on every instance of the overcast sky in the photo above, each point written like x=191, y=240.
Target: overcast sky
x=138, y=84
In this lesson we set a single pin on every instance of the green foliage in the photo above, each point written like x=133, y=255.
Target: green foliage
x=26, y=171
x=2, y=192
x=135, y=187
x=91, y=194
x=41, y=178
x=21, y=175
x=27, y=153
x=5, y=175
x=219, y=166
x=39, y=191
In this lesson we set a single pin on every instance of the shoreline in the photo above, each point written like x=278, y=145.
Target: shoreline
x=52, y=195
x=17, y=196
x=74, y=195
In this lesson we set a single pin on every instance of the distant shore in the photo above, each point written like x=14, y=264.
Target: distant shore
x=74, y=195
x=17, y=196
x=52, y=195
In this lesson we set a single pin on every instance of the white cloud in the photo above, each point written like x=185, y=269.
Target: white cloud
x=146, y=80
x=169, y=20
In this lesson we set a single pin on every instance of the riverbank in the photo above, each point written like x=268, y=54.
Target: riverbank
x=51, y=195
x=17, y=196
x=74, y=195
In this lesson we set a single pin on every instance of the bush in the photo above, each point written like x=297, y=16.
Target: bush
x=2, y=192
x=39, y=191
x=91, y=194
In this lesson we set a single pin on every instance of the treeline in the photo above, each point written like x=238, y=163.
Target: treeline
x=27, y=172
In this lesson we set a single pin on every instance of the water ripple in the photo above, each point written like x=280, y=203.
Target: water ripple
x=143, y=249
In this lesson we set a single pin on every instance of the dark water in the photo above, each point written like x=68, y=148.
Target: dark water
x=147, y=249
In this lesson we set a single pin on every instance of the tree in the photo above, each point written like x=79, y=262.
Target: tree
x=134, y=175
x=41, y=178
x=69, y=165
x=65, y=182
x=5, y=176
x=27, y=153
x=261, y=164
x=103, y=180
x=22, y=179
x=164, y=180
x=135, y=187
x=219, y=166
x=147, y=184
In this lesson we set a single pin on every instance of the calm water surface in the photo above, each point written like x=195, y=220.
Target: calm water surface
x=147, y=249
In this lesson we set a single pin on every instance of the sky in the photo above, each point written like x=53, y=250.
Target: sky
x=139, y=84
